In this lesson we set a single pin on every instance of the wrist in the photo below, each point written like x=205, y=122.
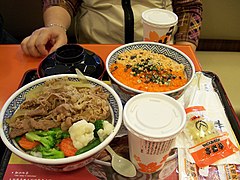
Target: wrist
x=57, y=25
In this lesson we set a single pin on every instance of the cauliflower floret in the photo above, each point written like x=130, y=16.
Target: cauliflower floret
x=107, y=129
x=81, y=133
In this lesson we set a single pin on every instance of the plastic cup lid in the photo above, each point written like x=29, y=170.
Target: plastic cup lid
x=160, y=17
x=154, y=116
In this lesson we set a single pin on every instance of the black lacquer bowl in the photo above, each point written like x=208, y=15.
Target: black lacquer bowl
x=68, y=57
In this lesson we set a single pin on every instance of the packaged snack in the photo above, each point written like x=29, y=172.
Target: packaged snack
x=208, y=142
x=189, y=170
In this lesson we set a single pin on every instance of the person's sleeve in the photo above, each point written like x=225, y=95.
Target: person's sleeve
x=189, y=20
x=71, y=6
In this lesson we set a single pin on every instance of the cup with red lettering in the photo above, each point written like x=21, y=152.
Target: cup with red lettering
x=158, y=25
x=153, y=120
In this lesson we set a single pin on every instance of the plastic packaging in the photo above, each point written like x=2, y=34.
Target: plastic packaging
x=208, y=142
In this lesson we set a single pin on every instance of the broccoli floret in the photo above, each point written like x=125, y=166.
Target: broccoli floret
x=47, y=141
x=52, y=154
x=56, y=133
x=65, y=135
x=48, y=138
x=46, y=152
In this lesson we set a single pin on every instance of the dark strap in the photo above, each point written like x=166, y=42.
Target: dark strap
x=128, y=21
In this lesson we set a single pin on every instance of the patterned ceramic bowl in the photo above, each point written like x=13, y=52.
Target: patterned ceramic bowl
x=125, y=92
x=62, y=164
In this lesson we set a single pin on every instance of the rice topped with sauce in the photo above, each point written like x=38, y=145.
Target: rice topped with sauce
x=148, y=71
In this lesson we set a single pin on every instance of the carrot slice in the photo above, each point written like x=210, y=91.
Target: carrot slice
x=26, y=144
x=66, y=146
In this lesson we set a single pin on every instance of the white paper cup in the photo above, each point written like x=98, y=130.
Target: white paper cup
x=153, y=121
x=158, y=25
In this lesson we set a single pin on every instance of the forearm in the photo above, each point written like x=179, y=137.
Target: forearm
x=57, y=16
x=71, y=6
x=190, y=19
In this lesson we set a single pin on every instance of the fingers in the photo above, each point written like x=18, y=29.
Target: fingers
x=31, y=47
x=37, y=44
x=59, y=42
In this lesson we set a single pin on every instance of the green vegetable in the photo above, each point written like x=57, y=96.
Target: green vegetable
x=47, y=141
x=98, y=125
x=17, y=138
x=90, y=145
x=65, y=135
x=56, y=133
x=52, y=154
x=47, y=138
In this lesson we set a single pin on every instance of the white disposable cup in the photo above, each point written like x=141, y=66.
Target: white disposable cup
x=158, y=25
x=153, y=121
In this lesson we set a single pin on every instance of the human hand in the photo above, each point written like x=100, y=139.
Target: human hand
x=44, y=41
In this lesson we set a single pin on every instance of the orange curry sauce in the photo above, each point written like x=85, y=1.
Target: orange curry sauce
x=148, y=77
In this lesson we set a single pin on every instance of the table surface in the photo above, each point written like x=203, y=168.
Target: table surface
x=13, y=64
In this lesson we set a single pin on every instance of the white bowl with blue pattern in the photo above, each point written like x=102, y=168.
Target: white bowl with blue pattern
x=126, y=92
x=63, y=164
